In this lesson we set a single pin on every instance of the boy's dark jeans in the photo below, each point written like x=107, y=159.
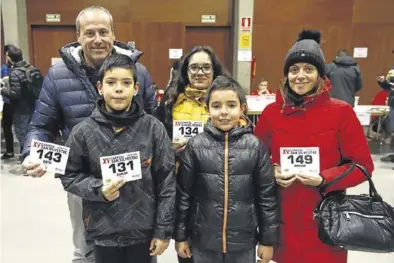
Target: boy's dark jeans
x=138, y=253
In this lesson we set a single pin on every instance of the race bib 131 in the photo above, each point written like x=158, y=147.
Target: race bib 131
x=125, y=165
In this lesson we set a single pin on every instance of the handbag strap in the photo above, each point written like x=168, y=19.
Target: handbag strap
x=324, y=187
x=372, y=189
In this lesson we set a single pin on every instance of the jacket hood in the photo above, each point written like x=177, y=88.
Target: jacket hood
x=345, y=61
x=20, y=64
x=121, y=119
x=246, y=126
x=70, y=53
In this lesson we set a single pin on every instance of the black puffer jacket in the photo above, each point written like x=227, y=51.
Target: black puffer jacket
x=226, y=191
x=145, y=208
x=17, y=91
x=346, y=79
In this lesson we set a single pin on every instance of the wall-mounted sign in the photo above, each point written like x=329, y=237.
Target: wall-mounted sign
x=244, y=41
x=55, y=60
x=53, y=18
x=208, y=19
x=244, y=55
x=360, y=52
x=175, y=53
x=246, y=23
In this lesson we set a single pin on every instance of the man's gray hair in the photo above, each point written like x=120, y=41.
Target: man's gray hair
x=93, y=8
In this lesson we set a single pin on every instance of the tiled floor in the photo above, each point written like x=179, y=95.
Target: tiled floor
x=35, y=225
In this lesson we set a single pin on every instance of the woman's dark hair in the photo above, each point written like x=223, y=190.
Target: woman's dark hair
x=175, y=65
x=226, y=83
x=117, y=61
x=15, y=53
x=182, y=79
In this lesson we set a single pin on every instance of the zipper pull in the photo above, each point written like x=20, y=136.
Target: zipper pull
x=347, y=216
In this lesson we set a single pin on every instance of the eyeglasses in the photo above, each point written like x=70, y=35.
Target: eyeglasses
x=194, y=69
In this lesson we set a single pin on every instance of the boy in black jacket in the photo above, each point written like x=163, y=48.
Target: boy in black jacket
x=122, y=164
x=226, y=193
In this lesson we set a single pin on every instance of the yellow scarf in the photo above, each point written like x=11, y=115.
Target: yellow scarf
x=190, y=93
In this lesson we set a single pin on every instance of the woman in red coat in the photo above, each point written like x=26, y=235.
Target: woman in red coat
x=309, y=134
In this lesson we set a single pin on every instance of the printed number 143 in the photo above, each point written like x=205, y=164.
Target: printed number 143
x=51, y=156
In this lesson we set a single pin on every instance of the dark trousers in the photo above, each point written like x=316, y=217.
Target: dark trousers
x=132, y=254
x=6, y=123
x=185, y=260
x=21, y=126
x=206, y=256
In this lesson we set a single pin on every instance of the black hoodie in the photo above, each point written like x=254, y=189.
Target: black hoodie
x=145, y=208
x=345, y=77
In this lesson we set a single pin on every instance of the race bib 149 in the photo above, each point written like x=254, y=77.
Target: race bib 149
x=300, y=160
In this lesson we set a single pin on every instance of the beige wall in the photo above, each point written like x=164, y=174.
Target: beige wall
x=241, y=69
x=15, y=24
x=15, y=32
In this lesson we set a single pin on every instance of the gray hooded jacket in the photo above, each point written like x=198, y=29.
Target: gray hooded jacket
x=345, y=77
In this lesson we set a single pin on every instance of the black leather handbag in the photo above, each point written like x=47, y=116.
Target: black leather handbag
x=355, y=222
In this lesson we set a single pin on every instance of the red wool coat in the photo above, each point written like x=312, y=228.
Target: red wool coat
x=331, y=125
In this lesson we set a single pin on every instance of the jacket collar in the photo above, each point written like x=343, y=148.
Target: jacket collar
x=20, y=64
x=101, y=115
x=318, y=98
x=71, y=54
x=246, y=126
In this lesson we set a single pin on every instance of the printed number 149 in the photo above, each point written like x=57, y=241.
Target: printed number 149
x=301, y=159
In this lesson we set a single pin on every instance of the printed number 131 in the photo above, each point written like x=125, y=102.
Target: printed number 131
x=121, y=167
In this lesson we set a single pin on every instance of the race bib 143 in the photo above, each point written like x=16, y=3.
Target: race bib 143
x=54, y=157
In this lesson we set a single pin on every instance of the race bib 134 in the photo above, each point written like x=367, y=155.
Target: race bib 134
x=185, y=130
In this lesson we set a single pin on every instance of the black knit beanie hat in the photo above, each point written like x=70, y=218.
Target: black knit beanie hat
x=306, y=49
